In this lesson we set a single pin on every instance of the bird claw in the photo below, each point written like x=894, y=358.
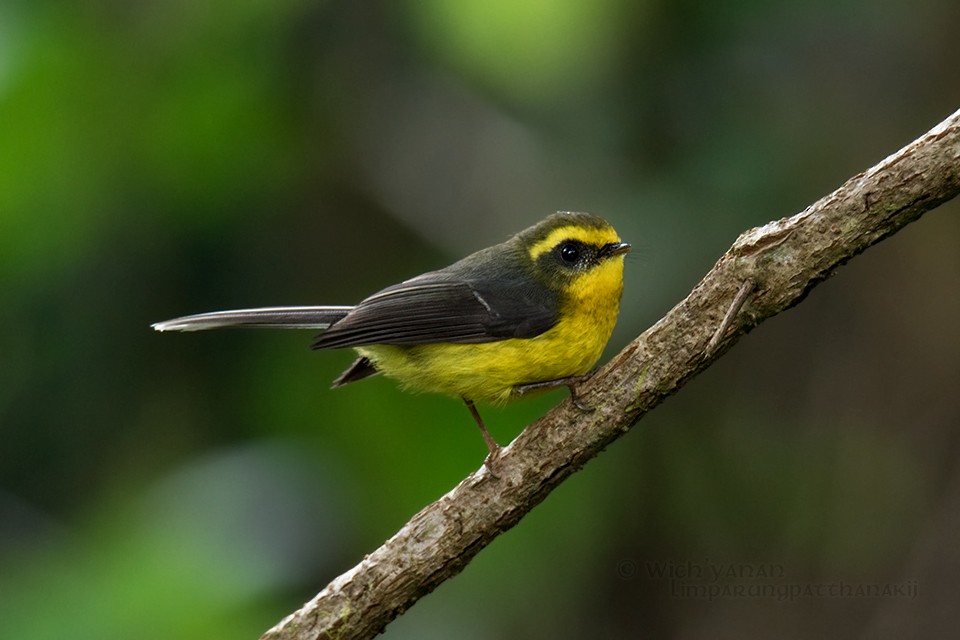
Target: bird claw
x=570, y=383
x=575, y=399
x=492, y=461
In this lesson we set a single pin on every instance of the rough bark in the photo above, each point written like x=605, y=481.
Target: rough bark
x=768, y=269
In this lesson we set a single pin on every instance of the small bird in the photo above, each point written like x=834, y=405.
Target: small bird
x=531, y=313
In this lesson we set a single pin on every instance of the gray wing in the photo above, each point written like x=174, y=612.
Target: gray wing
x=436, y=308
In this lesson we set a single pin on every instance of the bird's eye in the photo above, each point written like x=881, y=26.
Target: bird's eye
x=570, y=253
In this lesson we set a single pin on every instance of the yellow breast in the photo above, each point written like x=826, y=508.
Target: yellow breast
x=490, y=371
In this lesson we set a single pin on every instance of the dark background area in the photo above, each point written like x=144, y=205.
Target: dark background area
x=165, y=158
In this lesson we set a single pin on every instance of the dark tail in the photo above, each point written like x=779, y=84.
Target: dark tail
x=265, y=318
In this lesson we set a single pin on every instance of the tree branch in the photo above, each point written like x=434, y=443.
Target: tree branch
x=768, y=269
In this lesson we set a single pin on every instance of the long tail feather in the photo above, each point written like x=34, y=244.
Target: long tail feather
x=264, y=318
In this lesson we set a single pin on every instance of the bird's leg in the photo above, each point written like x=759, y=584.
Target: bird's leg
x=491, y=443
x=570, y=383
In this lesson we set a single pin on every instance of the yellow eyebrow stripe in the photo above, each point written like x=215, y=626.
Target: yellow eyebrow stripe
x=594, y=237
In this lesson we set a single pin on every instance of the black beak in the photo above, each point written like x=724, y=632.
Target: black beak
x=614, y=249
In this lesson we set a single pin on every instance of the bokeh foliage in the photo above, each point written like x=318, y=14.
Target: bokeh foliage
x=163, y=158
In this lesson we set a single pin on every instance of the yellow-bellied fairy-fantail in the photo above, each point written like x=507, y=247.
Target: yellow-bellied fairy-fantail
x=533, y=312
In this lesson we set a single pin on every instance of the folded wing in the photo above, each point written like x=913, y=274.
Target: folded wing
x=435, y=308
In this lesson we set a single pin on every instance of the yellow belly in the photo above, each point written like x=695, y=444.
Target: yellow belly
x=490, y=371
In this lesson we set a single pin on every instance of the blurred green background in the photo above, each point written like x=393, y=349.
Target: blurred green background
x=164, y=158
